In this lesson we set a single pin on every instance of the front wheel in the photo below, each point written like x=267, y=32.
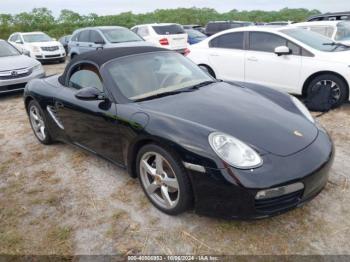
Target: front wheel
x=339, y=91
x=164, y=180
x=38, y=123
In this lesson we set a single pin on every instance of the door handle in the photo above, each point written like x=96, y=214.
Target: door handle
x=59, y=105
x=252, y=58
x=90, y=45
x=77, y=44
x=213, y=54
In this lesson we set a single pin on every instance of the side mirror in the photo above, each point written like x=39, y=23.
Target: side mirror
x=282, y=50
x=25, y=52
x=89, y=93
x=100, y=43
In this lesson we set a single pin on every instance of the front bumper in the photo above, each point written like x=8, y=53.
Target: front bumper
x=46, y=56
x=16, y=84
x=215, y=195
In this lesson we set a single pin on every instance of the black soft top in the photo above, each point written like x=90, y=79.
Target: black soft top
x=100, y=57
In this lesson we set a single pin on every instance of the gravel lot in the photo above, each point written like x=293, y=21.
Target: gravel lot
x=60, y=200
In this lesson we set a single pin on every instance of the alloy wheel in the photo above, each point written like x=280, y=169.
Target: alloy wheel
x=38, y=123
x=159, y=180
x=335, y=89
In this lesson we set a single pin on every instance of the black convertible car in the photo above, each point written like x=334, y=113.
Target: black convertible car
x=228, y=150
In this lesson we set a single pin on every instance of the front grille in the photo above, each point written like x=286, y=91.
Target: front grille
x=49, y=48
x=276, y=204
x=52, y=56
x=14, y=74
x=12, y=87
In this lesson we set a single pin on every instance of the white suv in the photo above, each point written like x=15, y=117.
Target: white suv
x=338, y=31
x=39, y=45
x=171, y=36
x=289, y=59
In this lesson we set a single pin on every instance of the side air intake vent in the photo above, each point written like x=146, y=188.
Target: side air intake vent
x=53, y=114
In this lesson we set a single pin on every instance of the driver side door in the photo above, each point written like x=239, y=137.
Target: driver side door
x=263, y=66
x=90, y=124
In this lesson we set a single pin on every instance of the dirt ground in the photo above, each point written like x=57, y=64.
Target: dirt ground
x=60, y=200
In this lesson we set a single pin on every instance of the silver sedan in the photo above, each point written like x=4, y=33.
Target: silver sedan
x=16, y=69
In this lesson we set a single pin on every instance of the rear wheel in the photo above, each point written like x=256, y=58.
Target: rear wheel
x=339, y=89
x=164, y=180
x=38, y=123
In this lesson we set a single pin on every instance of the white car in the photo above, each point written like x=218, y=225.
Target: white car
x=288, y=59
x=170, y=36
x=39, y=45
x=16, y=69
x=338, y=31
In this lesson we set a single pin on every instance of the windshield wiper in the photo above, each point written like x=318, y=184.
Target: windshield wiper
x=204, y=83
x=336, y=44
x=162, y=95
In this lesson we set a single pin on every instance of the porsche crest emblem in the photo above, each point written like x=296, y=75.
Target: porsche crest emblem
x=297, y=133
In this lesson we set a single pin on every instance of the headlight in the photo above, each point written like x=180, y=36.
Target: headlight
x=233, y=151
x=35, y=49
x=302, y=108
x=37, y=67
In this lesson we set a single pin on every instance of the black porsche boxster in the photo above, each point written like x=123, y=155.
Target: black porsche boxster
x=225, y=149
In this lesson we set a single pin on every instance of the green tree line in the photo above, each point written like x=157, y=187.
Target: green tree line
x=42, y=19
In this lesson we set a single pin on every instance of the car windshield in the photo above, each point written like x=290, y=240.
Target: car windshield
x=314, y=40
x=343, y=31
x=195, y=34
x=32, y=38
x=120, y=35
x=7, y=50
x=168, y=29
x=143, y=76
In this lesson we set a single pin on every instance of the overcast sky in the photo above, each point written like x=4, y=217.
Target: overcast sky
x=104, y=7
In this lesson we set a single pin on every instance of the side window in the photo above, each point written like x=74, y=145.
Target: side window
x=134, y=30
x=76, y=37
x=143, y=31
x=230, y=40
x=296, y=50
x=15, y=38
x=85, y=76
x=84, y=36
x=95, y=37
x=265, y=42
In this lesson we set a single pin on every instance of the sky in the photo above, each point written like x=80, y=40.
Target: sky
x=107, y=7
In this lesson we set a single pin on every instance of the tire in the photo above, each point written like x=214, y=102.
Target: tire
x=340, y=93
x=154, y=185
x=208, y=70
x=43, y=135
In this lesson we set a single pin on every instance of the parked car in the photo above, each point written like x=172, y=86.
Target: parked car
x=193, y=141
x=214, y=27
x=280, y=23
x=330, y=17
x=16, y=69
x=94, y=38
x=194, y=36
x=195, y=27
x=64, y=40
x=289, y=59
x=338, y=31
x=170, y=36
x=39, y=45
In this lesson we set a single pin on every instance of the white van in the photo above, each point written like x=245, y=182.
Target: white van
x=338, y=31
x=171, y=36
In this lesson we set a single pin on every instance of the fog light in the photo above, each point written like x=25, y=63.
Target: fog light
x=279, y=191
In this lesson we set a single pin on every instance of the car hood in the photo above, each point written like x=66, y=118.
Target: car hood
x=256, y=119
x=44, y=44
x=16, y=62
